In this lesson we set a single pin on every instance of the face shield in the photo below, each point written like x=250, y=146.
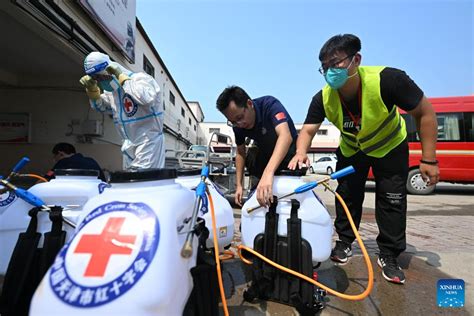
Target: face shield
x=94, y=65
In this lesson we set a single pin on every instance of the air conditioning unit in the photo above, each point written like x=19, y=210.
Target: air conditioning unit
x=92, y=128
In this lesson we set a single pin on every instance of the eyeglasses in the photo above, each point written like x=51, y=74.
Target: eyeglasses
x=239, y=120
x=324, y=68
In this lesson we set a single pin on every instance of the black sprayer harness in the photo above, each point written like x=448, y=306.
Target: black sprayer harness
x=269, y=283
x=29, y=263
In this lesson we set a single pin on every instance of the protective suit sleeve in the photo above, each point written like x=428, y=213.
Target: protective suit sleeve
x=102, y=104
x=144, y=89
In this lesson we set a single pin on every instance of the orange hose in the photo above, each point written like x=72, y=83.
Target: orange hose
x=216, y=253
x=226, y=255
x=35, y=176
x=304, y=277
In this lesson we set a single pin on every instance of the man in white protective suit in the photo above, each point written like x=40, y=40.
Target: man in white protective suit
x=134, y=99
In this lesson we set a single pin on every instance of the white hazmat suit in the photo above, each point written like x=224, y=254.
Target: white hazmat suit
x=134, y=100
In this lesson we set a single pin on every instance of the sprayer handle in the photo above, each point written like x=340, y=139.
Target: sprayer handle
x=205, y=171
x=21, y=164
x=342, y=173
x=306, y=187
x=201, y=189
x=29, y=197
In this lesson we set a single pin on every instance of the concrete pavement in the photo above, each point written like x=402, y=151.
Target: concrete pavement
x=440, y=246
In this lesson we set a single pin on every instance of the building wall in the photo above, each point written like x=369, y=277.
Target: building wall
x=207, y=128
x=173, y=113
x=56, y=102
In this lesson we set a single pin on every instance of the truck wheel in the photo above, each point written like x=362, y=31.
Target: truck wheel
x=416, y=184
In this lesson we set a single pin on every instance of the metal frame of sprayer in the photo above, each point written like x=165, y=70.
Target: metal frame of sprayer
x=187, y=249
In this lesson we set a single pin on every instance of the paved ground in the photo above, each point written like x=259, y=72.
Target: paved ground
x=440, y=245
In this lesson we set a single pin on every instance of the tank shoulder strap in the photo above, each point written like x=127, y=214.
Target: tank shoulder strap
x=294, y=244
x=263, y=273
x=22, y=274
x=295, y=259
x=53, y=240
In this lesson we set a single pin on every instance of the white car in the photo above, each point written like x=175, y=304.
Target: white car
x=325, y=165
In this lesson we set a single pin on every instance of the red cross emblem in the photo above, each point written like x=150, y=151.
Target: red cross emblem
x=103, y=246
x=128, y=104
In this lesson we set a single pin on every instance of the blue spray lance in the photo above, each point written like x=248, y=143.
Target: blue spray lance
x=311, y=185
x=24, y=194
x=187, y=249
x=21, y=193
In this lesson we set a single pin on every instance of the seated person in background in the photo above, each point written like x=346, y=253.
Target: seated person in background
x=65, y=157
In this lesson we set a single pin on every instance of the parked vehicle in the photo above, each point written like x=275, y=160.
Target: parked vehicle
x=325, y=165
x=455, y=145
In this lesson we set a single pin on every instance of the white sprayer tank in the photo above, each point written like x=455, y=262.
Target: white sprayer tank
x=125, y=256
x=70, y=189
x=222, y=209
x=316, y=224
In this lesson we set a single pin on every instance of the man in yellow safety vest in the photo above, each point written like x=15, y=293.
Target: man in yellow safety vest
x=362, y=101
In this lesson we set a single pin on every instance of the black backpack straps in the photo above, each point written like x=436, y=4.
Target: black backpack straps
x=294, y=245
x=53, y=240
x=270, y=245
x=295, y=257
x=262, y=273
x=204, y=298
x=22, y=273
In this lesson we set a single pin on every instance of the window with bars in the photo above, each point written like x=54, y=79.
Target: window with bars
x=148, y=67
x=172, y=98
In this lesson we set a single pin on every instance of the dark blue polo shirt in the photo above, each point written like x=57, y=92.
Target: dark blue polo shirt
x=78, y=161
x=269, y=113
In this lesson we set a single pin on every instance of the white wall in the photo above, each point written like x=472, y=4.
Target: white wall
x=55, y=100
x=51, y=113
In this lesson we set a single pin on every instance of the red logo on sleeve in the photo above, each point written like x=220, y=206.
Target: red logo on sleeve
x=280, y=116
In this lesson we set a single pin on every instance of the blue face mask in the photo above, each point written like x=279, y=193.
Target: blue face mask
x=337, y=77
x=108, y=85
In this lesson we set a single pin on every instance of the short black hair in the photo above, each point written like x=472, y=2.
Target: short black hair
x=64, y=147
x=347, y=43
x=232, y=93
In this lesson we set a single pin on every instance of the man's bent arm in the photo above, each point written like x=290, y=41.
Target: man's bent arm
x=427, y=126
x=305, y=137
x=283, y=143
x=240, y=164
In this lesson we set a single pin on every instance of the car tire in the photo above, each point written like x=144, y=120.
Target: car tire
x=416, y=184
x=311, y=170
x=329, y=170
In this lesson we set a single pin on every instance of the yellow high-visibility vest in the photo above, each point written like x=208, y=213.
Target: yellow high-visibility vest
x=381, y=130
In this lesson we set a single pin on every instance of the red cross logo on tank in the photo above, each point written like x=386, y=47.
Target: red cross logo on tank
x=111, y=251
x=129, y=105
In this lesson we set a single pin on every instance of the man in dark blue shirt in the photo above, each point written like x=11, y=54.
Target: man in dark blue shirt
x=267, y=122
x=65, y=156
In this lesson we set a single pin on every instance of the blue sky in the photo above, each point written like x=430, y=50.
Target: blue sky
x=270, y=47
